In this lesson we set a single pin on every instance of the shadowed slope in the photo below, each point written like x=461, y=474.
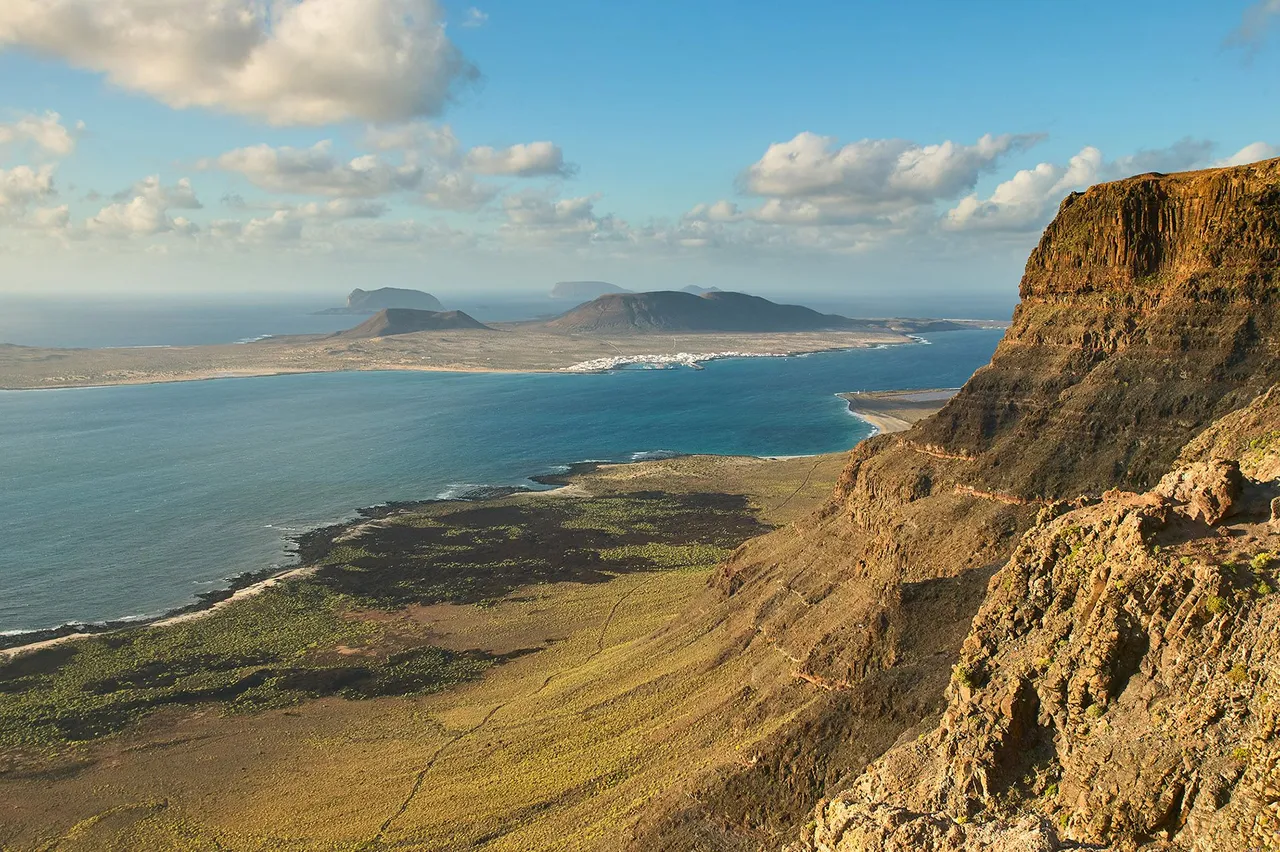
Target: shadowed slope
x=1149, y=311
x=405, y=321
x=679, y=311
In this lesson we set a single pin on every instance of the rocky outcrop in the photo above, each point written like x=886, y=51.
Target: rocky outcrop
x=404, y=321
x=581, y=290
x=371, y=301
x=1120, y=687
x=669, y=310
x=1148, y=311
x=1148, y=316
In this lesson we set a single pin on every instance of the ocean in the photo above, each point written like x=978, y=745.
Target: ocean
x=128, y=501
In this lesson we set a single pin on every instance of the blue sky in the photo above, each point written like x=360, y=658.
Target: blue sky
x=921, y=146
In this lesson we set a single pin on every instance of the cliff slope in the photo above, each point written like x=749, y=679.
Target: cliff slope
x=1120, y=686
x=371, y=301
x=392, y=321
x=1149, y=312
x=666, y=311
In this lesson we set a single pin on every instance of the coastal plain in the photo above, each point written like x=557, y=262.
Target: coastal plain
x=421, y=685
x=505, y=348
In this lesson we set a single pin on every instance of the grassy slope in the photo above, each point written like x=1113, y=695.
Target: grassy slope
x=557, y=749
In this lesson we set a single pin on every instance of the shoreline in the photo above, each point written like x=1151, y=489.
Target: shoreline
x=887, y=412
x=587, y=368
x=302, y=544
x=35, y=368
x=267, y=374
x=248, y=583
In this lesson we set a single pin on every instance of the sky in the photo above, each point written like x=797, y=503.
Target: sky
x=254, y=147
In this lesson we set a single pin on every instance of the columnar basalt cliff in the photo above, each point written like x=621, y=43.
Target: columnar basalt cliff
x=1148, y=313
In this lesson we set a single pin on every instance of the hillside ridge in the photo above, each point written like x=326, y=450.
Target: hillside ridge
x=1148, y=314
x=393, y=321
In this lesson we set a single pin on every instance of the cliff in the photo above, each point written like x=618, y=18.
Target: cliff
x=1148, y=314
x=1117, y=687
x=393, y=321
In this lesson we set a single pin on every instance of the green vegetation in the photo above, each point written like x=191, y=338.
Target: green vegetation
x=1215, y=604
x=271, y=650
x=329, y=634
x=668, y=556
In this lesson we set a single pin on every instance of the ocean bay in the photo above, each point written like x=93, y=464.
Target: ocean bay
x=128, y=501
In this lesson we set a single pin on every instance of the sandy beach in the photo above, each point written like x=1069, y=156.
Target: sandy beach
x=515, y=350
x=898, y=410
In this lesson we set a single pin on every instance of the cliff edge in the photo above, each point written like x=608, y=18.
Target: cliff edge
x=1148, y=315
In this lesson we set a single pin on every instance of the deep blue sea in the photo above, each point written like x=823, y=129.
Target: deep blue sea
x=128, y=501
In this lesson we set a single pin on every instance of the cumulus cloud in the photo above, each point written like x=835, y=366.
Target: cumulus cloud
x=534, y=219
x=475, y=18
x=316, y=171
x=288, y=62
x=1250, y=153
x=22, y=186
x=146, y=212
x=416, y=139
x=457, y=191
x=280, y=226
x=531, y=160
x=46, y=132
x=1027, y=200
x=872, y=176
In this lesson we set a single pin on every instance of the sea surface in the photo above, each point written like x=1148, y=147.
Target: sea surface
x=128, y=501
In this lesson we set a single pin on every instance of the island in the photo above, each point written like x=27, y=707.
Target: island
x=393, y=321
x=372, y=301
x=659, y=329
x=583, y=290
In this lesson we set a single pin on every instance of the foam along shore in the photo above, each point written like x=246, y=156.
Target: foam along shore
x=655, y=469
x=896, y=410
x=678, y=359
x=511, y=348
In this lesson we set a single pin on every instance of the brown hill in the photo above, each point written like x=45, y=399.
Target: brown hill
x=667, y=311
x=1148, y=313
x=390, y=321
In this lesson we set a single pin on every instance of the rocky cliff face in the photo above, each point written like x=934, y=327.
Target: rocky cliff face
x=1149, y=313
x=1120, y=686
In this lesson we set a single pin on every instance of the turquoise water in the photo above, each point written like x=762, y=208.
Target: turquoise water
x=128, y=501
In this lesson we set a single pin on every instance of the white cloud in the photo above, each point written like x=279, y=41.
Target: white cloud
x=146, y=213
x=1250, y=153
x=342, y=208
x=416, y=138
x=280, y=226
x=180, y=196
x=531, y=160
x=284, y=61
x=538, y=220
x=1028, y=199
x=873, y=176
x=23, y=185
x=316, y=171
x=46, y=132
x=139, y=217
x=475, y=18
x=457, y=191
